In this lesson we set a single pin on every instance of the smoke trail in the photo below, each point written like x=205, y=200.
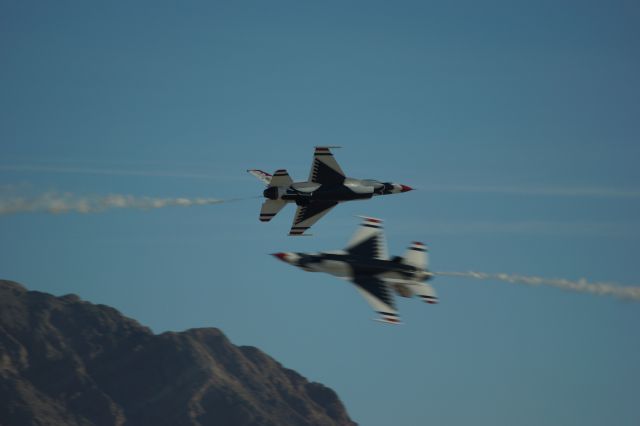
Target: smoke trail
x=64, y=203
x=102, y=171
x=582, y=285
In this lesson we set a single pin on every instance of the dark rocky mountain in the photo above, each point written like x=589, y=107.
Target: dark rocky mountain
x=64, y=361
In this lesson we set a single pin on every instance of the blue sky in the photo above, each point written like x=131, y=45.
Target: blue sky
x=518, y=122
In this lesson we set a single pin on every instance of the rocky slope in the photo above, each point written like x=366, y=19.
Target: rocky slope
x=64, y=361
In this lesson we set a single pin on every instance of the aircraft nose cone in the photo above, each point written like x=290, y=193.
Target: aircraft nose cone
x=405, y=188
x=281, y=256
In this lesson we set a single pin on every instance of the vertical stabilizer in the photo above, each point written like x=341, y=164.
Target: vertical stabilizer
x=263, y=177
x=416, y=255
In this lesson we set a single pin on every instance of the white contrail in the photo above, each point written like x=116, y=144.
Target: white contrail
x=582, y=285
x=102, y=171
x=64, y=203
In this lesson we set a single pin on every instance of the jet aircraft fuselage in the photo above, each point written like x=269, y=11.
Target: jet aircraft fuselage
x=342, y=264
x=303, y=193
x=325, y=188
x=366, y=263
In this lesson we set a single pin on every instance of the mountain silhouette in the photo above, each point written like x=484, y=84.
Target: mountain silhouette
x=65, y=361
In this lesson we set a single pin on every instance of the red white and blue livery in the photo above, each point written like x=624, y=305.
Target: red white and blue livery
x=366, y=264
x=326, y=186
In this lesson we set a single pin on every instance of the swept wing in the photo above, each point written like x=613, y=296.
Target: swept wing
x=310, y=214
x=368, y=241
x=324, y=168
x=379, y=296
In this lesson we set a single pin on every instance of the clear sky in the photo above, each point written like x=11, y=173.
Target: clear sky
x=518, y=122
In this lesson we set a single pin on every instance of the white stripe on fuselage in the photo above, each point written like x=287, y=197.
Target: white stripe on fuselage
x=344, y=268
x=334, y=267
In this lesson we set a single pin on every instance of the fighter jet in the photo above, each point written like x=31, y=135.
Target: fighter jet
x=326, y=186
x=366, y=263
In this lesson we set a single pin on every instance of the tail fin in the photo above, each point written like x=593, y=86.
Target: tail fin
x=281, y=178
x=416, y=255
x=264, y=177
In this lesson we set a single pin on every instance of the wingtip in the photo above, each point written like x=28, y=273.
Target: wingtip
x=388, y=321
x=370, y=219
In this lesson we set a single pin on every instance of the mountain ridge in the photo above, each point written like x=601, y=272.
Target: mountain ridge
x=68, y=361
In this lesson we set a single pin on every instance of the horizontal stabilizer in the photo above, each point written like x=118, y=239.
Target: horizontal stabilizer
x=426, y=293
x=270, y=209
x=281, y=178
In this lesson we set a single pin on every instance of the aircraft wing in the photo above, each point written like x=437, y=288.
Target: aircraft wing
x=325, y=169
x=368, y=241
x=310, y=214
x=378, y=295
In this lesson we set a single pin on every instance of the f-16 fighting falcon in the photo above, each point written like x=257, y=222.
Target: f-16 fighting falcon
x=326, y=187
x=366, y=263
